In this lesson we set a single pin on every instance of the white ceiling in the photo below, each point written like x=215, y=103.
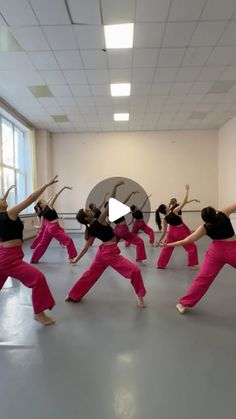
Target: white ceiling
x=182, y=50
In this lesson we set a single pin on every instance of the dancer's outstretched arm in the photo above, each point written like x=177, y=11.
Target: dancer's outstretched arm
x=83, y=251
x=183, y=203
x=196, y=235
x=164, y=230
x=229, y=209
x=14, y=211
x=54, y=198
x=103, y=216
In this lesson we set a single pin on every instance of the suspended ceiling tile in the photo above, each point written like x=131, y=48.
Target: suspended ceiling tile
x=208, y=33
x=221, y=56
x=69, y=60
x=120, y=75
x=15, y=60
x=120, y=58
x=184, y=10
x=93, y=59
x=43, y=60
x=98, y=76
x=53, y=77
x=60, y=37
x=85, y=11
x=218, y=9
x=145, y=57
x=89, y=37
x=50, y=12
x=170, y=57
x=148, y=35
x=195, y=56
x=31, y=38
x=229, y=36
x=152, y=10
x=178, y=34
x=117, y=12
x=165, y=74
x=75, y=76
x=18, y=13
x=60, y=90
x=81, y=90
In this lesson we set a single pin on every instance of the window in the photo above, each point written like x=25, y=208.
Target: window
x=15, y=161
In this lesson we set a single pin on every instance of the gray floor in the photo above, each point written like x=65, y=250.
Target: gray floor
x=107, y=359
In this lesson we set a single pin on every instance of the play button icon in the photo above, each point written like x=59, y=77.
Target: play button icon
x=117, y=209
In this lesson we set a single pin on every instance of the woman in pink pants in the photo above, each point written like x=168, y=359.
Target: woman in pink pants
x=221, y=251
x=108, y=255
x=139, y=223
x=177, y=231
x=121, y=231
x=53, y=230
x=11, y=255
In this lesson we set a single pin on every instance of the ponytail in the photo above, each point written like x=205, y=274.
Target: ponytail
x=158, y=219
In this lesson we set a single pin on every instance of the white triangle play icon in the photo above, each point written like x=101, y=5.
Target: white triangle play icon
x=117, y=209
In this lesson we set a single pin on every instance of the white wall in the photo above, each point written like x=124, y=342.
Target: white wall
x=162, y=162
x=43, y=151
x=227, y=165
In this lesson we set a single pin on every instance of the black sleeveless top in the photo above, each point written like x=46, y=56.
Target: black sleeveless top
x=173, y=219
x=137, y=215
x=49, y=214
x=9, y=229
x=119, y=220
x=101, y=231
x=221, y=228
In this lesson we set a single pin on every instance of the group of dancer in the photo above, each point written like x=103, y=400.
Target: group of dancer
x=216, y=225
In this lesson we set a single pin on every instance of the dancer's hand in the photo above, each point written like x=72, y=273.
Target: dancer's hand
x=187, y=186
x=162, y=244
x=68, y=187
x=53, y=180
x=73, y=261
x=197, y=200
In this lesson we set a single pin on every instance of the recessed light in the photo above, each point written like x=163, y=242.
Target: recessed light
x=41, y=91
x=121, y=116
x=60, y=118
x=119, y=36
x=120, y=89
x=8, y=42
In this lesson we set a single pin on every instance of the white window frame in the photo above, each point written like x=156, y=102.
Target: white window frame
x=27, y=171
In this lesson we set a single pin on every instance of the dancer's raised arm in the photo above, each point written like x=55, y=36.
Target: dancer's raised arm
x=54, y=198
x=14, y=211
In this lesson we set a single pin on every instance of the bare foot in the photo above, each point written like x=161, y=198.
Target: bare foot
x=44, y=319
x=181, y=309
x=69, y=300
x=141, y=303
x=194, y=267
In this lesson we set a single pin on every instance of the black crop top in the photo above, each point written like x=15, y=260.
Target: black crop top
x=50, y=214
x=10, y=229
x=138, y=215
x=221, y=228
x=101, y=231
x=119, y=220
x=173, y=219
